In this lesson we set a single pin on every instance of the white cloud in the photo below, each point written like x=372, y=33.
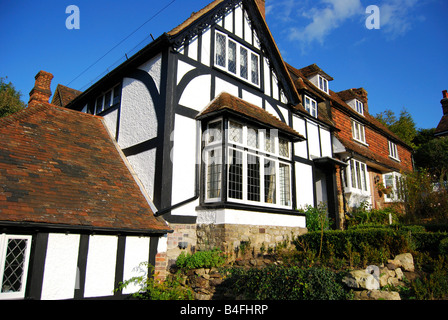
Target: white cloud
x=397, y=16
x=327, y=16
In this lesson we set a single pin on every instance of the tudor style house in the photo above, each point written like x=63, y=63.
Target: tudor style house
x=213, y=125
x=375, y=157
x=74, y=220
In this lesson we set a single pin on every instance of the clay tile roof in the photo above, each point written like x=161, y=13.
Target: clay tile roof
x=64, y=95
x=227, y=102
x=60, y=168
x=312, y=70
x=442, y=127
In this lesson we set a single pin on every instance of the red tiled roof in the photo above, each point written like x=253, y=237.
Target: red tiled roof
x=61, y=168
x=227, y=102
x=64, y=95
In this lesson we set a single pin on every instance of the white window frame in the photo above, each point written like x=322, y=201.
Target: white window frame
x=253, y=72
x=322, y=84
x=359, y=107
x=393, y=150
x=110, y=96
x=215, y=145
x=396, y=179
x=357, y=178
x=262, y=155
x=311, y=106
x=3, y=251
x=358, y=132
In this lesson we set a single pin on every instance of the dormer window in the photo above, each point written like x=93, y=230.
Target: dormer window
x=323, y=84
x=359, y=107
x=237, y=59
x=311, y=106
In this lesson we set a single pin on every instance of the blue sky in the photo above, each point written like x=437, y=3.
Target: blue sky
x=402, y=65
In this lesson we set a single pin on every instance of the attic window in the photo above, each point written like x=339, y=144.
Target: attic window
x=311, y=106
x=236, y=59
x=107, y=100
x=323, y=84
x=359, y=107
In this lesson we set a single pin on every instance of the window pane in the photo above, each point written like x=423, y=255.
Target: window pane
x=358, y=174
x=220, y=53
x=117, y=91
x=214, y=170
x=243, y=63
x=107, y=99
x=269, y=181
x=308, y=104
x=235, y=132
x=284, y=184
x=313, y=108
x=253, y=178
x=283, y=147
x=99, y=104
x=214, y=132
x=364, y=176
x=268, y=142
x=353, y=174
x=235, y=174
x=232, y=57
x=14, y=265
x=254, y=68
x=252, y=137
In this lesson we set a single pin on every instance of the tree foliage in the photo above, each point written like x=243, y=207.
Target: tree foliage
x=9, y=98
x=403, y=126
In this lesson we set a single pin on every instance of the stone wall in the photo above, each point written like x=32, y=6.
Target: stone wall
x=232, y=238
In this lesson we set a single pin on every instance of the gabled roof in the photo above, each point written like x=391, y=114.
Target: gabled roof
x=225, y=102
x=61, y=169
x=313, y=69
x=442, y=127
x=64, y=95
x=197, y=22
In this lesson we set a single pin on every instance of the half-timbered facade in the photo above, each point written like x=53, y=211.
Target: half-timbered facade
x=210, y=119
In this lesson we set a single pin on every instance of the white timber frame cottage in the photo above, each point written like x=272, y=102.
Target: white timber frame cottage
x=210, y=120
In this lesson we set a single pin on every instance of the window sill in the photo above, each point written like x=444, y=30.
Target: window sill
x=395, y=159
x=365, y=144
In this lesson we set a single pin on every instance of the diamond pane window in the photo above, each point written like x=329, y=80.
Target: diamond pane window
x=235, y=132
x=243, y=63
x=252, y=137
x=284, y=183
x=254, y=68
x=14, y=257
x=214, y=132
x=283, y=146
x=232, y=57
x=220, y=50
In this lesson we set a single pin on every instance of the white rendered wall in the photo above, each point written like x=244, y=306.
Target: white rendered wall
x=300, y=148
x=137, y=252
x=60, y=267
x=304, y=185
x=101, y=261
x=313, y=140
x=230, y=216
x=197, y=93
x=325, y=140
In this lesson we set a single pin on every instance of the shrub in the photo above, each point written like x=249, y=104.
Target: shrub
x=154, y=289
x=443, y=247
x=317, y=217
x=201, y=259
x=287, y=283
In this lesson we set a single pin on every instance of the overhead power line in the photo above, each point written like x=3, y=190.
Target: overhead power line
x=127, y=37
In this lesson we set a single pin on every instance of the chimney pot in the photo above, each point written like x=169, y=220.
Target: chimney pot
x=41, y=91
x=444, y=102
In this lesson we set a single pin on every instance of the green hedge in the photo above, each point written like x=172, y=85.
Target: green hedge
x=287, y=283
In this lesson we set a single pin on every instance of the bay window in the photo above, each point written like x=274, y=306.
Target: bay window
x=357, y=177
x=236, y=59
x=394, y=181
x=252, y=164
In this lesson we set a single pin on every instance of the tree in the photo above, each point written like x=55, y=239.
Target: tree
x=433, y=156
x=403, y=127
x=9, y=99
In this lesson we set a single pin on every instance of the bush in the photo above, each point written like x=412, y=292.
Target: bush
x=201, y=259
x=154, y=289
x=287, y=283
x=365, y=216
x=317, y=218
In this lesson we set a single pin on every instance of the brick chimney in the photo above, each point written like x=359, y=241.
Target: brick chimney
x=444, y=102
x=41, y=91
x=262, y=7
